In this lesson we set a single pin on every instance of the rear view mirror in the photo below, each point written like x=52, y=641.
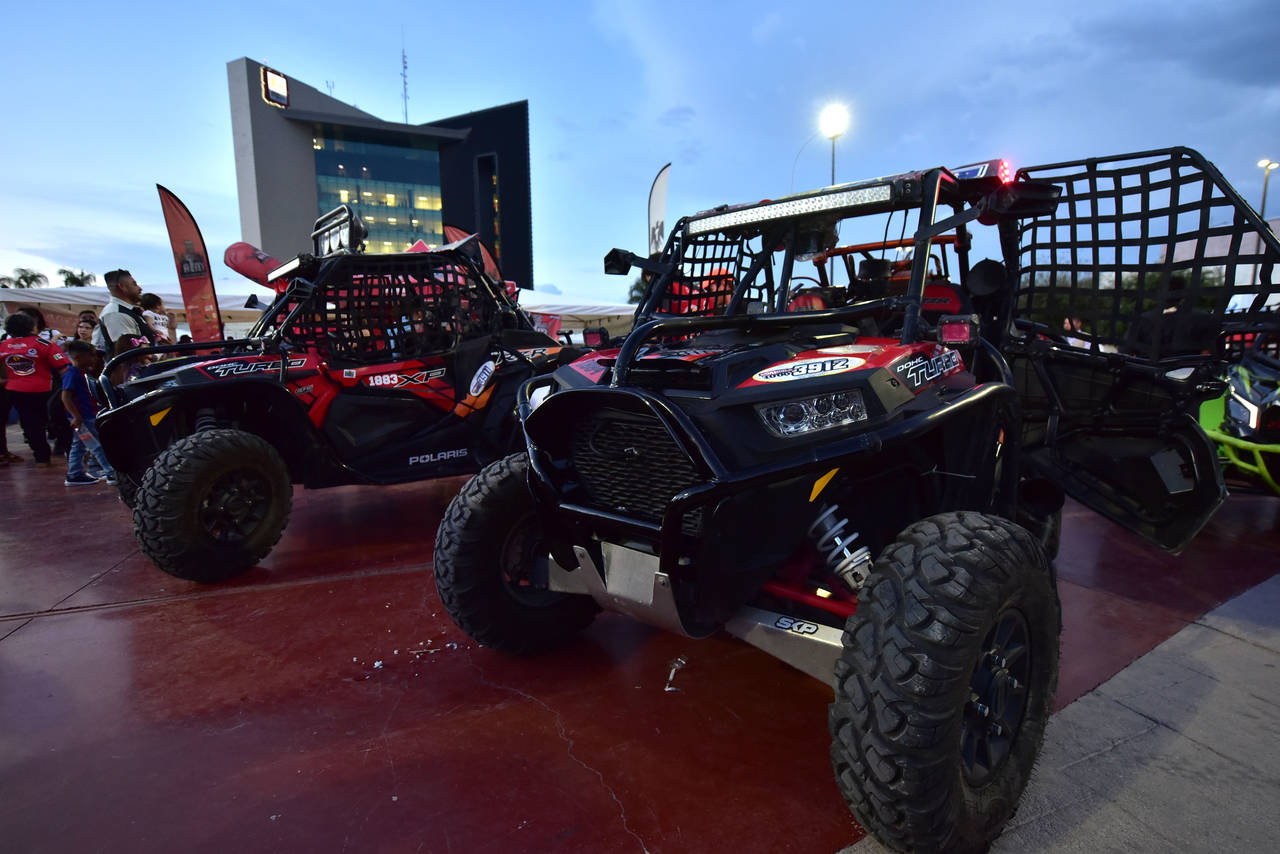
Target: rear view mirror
x=1022, y=200
x=618, y=262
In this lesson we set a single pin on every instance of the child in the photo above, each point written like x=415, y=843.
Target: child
x=157, y=317
x=81, y=409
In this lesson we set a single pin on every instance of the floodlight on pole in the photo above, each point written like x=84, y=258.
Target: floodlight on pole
x=1266, y=166
x=832, y=122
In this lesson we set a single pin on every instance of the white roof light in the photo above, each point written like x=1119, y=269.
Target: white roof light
x=792, y=207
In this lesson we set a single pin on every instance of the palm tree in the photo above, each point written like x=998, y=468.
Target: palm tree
x=638, y=288
x=73, y=279
x=25, y=277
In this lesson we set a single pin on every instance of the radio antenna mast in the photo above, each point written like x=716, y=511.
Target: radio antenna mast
x=404, y=77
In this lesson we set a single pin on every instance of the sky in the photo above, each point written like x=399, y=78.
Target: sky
x=103, y=101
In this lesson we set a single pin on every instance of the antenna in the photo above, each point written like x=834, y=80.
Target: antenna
x=404, y=76
x=328, y=84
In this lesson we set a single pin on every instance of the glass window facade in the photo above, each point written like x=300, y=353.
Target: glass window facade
x=394, y=188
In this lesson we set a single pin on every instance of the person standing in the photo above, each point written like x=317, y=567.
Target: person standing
x=59, y=432
x=5, y=456
x=121, y=324
x=31, y=364
x=85, y=329
x=82, y=410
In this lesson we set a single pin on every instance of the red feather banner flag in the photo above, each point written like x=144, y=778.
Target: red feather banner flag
x=194, y=276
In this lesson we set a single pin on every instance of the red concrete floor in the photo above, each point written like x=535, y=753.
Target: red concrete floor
x=324, y=702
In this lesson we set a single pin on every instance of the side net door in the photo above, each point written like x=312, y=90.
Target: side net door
x=1125, y=298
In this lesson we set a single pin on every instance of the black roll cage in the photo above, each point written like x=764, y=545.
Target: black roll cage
x=269, y=333
x=913, y=190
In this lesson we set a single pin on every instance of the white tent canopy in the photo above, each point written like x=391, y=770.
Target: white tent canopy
x=574, y=317
x=72, y=301
x=67, y=302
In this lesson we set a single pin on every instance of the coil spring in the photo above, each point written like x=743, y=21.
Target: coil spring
x=850, y=564
x=206, y=419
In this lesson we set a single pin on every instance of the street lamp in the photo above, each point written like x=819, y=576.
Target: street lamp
x=1266, y=166
x=832, y=122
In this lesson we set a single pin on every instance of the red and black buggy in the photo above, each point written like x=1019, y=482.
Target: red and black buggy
x=365, y=369
x=856, y=457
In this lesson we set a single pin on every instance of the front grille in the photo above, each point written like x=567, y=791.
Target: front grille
x=632, y=466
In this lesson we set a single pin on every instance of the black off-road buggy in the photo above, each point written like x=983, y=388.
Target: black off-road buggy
x=366, y=369
x=869, y=486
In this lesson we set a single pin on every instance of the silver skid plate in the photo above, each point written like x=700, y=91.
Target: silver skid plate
x=629, y=583
x=809, y=647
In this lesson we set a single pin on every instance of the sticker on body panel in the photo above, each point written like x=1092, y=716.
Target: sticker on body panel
x=800, y=627
x=438, y=456
x=240, y=367
x=808, y=369
x=417, y=378
x=919, y=371
x=481, y=379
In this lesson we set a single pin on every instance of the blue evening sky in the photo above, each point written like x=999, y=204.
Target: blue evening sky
x=102, y=101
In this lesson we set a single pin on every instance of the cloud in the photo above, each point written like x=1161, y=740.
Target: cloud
x=691, y=150
x=677, y=116
x=1231, y=42
x=11, y=258
x=664, y=68
x=766, y=28
x=547, y=289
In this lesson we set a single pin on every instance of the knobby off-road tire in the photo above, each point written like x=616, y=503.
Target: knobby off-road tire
x=486, y=549
x=1053, y=539
x=212, y=505
x=956, y=632
x=128, y=488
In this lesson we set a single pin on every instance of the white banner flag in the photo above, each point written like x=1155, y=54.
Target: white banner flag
x=658, y=210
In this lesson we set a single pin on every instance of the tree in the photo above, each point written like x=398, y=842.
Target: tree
x=24, y=277
x=73, y=279
x=637, y=291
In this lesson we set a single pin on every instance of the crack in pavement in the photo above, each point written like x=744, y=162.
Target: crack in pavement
x=1199, y=621
x=569, y=742
x=1114, y=744
x=1210, y=748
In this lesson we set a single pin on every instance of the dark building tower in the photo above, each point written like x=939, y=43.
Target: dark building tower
x=300, y=153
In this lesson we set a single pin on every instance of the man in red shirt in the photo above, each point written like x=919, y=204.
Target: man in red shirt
x=30, y=365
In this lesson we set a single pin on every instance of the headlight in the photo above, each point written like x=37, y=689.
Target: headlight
x=810, y=414
x=537, y=396
x=1242, y=410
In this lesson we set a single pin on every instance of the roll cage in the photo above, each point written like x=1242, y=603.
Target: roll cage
x=364, y=309
x=720, y=267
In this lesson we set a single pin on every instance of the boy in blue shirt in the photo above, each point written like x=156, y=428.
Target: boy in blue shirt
x=81, y=409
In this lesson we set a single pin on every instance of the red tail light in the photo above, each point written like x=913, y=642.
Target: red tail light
x=1006, y=172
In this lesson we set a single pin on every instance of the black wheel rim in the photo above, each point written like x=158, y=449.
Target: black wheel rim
x=997, y=698
x=235, y=505
x=524, y=566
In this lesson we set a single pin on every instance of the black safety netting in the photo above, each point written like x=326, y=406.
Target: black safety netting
x=369, y=308
x=1152, y=254
x=708, y=269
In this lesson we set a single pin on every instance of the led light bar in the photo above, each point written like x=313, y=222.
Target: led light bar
x=810, y=414
x=284, y=269
x=340, y=230
x=791, y=207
